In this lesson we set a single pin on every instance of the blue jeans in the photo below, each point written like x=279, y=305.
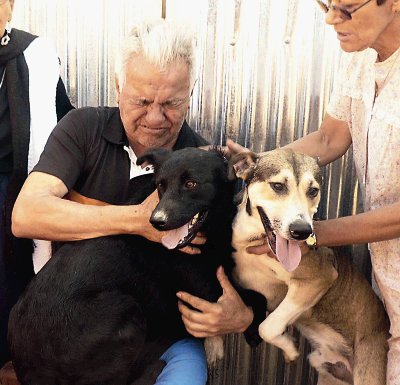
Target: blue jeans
x=186, y=364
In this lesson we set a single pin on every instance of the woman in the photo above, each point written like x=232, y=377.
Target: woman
x=32, y=100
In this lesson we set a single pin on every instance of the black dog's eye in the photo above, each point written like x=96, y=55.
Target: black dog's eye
x=161, y=186
x=190, y=184
x=277, y=187
x=313, y=192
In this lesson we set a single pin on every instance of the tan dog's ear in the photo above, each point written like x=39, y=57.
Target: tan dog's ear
x=242, y=165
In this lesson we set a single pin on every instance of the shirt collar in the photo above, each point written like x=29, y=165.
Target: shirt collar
x=114, y=131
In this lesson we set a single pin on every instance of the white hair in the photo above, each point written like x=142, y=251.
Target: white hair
x=160, y=42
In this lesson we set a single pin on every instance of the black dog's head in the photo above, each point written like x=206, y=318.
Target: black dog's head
x=194, y=191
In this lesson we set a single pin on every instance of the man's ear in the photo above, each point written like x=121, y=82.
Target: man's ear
x=117, y=89
x=242, y=165
x=396, y=6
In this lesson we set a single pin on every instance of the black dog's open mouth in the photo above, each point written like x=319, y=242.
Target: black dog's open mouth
x=178, y=238
x=287, y=252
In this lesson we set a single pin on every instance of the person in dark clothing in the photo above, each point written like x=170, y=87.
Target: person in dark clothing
x=32, y=99
x=91, y=154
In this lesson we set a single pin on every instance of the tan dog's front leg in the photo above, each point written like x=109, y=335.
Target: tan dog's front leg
x=300, y=297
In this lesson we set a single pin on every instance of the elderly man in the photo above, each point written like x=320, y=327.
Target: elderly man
x=93, y=152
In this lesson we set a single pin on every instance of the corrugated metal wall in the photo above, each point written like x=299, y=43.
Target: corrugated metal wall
x=265, y=73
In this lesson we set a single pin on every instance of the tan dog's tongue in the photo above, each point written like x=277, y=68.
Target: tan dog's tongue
x=172, y=237
x=288, y=253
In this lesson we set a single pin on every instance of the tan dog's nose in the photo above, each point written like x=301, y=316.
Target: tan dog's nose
x=300, y=230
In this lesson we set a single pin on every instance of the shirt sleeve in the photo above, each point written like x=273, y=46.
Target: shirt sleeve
x=339, y=103
x=64, y=153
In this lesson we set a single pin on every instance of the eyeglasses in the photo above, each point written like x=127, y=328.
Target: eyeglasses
x=344, y=13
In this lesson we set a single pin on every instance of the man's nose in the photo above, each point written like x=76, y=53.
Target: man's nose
x=155, y=114
x=333, y=17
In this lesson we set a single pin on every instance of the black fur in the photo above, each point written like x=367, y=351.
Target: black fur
x=103, y=309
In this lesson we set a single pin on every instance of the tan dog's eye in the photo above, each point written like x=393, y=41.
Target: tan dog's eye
x=313, y=192
x=278, y=187
x=190, y=184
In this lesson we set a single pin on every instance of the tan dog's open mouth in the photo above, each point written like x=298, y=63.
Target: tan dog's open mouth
x=287, y=252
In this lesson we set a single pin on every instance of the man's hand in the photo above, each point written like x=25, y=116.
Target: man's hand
x=230, y=149
x=228, y=315
x=152, y=234
x=261, y=249
x=234, y=148
x=264, y=248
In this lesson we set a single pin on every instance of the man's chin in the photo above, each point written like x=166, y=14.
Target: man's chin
x=348, y=47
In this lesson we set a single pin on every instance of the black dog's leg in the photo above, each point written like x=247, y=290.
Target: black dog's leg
x=259, y=305
x=151, y=373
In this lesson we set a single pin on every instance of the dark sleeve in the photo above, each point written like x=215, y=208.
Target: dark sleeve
x=64, y=153
x=63, y=104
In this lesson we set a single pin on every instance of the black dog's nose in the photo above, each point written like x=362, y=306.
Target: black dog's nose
x=300, y=230
x=158, y=219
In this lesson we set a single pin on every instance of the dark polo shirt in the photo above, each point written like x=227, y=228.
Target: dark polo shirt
x=86, y=151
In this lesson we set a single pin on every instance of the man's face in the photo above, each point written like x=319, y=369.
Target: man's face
x=366, y=28
x=153, y=103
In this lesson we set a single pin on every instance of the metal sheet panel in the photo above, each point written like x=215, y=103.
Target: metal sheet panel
x=265, y=70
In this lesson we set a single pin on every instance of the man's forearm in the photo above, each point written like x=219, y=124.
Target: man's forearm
x=56, y=219
x=372, y=226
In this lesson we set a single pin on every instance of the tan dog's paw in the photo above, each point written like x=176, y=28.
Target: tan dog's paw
x=291, y=355
x=273, y=333
x=290, y=351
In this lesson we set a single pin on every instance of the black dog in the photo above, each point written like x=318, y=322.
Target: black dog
x=103, y=309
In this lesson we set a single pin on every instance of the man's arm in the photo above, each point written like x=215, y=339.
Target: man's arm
x=329, y=143
x=40, y=212
x=372, y=226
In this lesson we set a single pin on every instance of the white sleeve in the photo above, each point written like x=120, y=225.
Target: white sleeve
x=339, y=103
x=44, y=72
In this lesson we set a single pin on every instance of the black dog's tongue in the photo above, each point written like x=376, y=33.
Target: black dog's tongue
x=172, y=237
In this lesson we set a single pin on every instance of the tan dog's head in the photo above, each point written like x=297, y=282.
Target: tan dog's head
x=281, y=198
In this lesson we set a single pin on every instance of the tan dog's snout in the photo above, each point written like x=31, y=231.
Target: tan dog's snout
x=300, y=230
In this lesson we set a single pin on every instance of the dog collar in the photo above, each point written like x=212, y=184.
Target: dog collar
x=311, y=241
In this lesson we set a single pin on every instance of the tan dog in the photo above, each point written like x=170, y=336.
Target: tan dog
x=320, y=293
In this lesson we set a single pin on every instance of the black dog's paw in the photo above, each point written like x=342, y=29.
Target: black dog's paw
x=259, y=305
x=252, y=336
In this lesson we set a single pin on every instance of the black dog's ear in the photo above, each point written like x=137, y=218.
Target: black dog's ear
x=155, y=157
x=242, y=165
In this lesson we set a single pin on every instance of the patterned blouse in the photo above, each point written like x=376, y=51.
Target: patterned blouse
x=374, y=124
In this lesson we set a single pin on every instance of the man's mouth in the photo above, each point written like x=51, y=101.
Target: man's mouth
x=145, y=127
x=287, y=252
x=343, y=36
x=182, y=236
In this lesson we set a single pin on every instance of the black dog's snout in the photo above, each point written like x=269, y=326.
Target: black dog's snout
x=159, y=219
x=300, y=230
